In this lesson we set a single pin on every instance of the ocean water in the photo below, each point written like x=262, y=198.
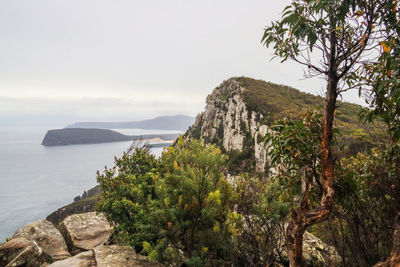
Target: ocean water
x=36, y=180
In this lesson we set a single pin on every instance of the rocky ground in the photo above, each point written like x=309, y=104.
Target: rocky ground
x=80, y=240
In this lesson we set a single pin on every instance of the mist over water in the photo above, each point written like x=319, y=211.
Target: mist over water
x=36, y=180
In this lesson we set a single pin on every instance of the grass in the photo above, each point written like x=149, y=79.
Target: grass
x=84, y=202
x=278, y=101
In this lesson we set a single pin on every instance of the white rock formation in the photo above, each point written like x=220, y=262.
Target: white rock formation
x=227, y=121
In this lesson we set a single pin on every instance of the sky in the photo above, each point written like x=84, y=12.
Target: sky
x=121, y=60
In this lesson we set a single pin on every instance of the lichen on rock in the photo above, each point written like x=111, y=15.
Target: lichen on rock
x=85, y=231
x=21, y=251
x=46, y=236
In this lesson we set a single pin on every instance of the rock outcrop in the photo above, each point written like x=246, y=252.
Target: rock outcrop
x=121, y=256
x=84, y=259
x=318, y=253
x=21, y=251
x=40, y=244
x=238, y=113
x=81, y=206
x=46, y=236
x=228, y=121
x=85, y=231
x=107, y=256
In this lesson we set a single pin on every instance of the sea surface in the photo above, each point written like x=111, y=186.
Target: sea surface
x=36, y=180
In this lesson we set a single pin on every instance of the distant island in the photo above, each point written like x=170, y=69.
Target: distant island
x=177, y=122
x=75, y=136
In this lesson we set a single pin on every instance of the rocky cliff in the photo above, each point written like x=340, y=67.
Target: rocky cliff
x=228, y=121
x=238, y=113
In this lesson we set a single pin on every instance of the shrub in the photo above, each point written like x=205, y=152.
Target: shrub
x=192, y=208
x=126, y=191
x=260, y=240
x=176, y=209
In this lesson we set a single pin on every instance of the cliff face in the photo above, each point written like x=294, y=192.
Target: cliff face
x=228, y=122
x=238, y=113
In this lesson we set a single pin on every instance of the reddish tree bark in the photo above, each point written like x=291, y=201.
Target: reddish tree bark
x=303, y=218
x=342, y=50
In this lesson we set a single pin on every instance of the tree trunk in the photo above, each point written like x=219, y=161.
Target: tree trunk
x=294, y=240
x=303, y=218
x=394, y=258
x=328, y=159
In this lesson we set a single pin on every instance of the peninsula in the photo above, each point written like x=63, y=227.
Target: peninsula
x=75, y=136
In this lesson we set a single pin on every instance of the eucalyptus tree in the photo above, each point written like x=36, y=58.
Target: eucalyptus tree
x=333, y=39
x=383, y=79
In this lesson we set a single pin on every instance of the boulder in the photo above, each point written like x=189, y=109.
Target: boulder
x=85, y=231
x=315, y=252
x=84, y=259
x=318, y=253
x=22, y=252
x=46, y=236
x=121, y=256
x=107, y=256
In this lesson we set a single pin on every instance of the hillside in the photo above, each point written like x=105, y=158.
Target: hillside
x=177, y=122
x=239, y=111
x=74, y=136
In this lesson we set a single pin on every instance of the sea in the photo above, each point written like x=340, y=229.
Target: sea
x=36, y=180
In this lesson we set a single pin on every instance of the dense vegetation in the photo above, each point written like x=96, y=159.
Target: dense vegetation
x=367, y=188
x=181, y=209
x=362, y=223
x=176, y=209
x=334, y=40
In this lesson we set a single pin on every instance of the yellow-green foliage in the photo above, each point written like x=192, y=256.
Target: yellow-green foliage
x=192, y=208
x=176, y=209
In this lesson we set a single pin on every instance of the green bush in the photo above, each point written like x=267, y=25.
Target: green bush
x=176, y=209
x=192, y=209
x=362, y=224
x=260, y=240
x=127, y=189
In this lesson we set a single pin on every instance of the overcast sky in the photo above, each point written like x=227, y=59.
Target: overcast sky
x=115, y=60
